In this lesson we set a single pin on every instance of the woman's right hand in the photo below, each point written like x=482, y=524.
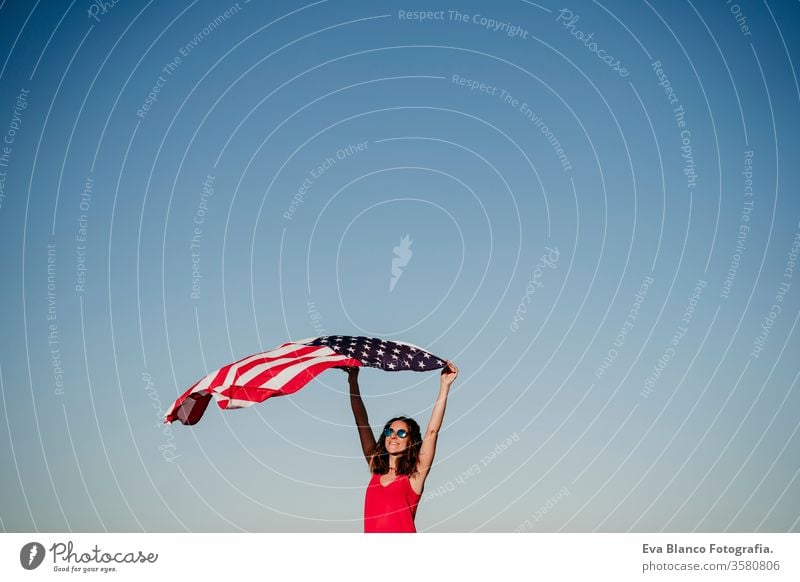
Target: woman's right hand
x=352, y=372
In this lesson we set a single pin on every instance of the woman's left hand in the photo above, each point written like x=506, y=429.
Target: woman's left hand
x=449, y=373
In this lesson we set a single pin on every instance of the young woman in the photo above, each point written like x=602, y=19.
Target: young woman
x=399, y=460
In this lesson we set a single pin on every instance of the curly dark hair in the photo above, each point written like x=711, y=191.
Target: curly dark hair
x=407, y=463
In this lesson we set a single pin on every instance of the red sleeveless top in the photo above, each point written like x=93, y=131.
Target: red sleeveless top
x=390, y=509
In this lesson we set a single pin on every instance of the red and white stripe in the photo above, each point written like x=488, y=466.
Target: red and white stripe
x=283, y=370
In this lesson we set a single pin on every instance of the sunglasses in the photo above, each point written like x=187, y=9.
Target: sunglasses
x=401, y=433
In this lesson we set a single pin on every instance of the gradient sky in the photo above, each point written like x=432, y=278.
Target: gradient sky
x=602, y=203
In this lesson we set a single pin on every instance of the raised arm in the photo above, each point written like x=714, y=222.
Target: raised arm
x=360, y=414
x=428, y=449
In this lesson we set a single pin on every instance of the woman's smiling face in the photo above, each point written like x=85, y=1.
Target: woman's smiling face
x=394, y=444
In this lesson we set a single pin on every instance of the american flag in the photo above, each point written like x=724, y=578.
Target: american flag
x=287, y=368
